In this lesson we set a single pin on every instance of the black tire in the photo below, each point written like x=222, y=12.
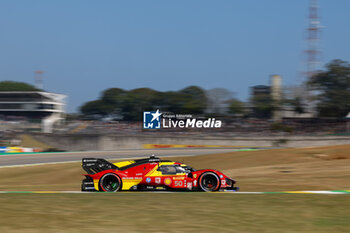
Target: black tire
x=209, y=182
x=110, y=182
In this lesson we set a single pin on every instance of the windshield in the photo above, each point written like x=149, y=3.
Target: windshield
x=184, y=169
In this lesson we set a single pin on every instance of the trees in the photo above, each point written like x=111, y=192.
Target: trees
x=332, y=88
x=194, y=100
x=217, y=99
x=113, y=96
x=16, y=86
x=297, y=105
x=131, y=104
x=236, y=107
x=137, y=101
x=263, y=105
x=95, y=108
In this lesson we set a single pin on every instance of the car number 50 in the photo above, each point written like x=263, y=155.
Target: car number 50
x=178, y=183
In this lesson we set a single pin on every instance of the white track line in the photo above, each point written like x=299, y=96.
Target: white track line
x=79, y=161
x=37, y=164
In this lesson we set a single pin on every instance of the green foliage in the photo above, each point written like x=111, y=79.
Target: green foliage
x=193, y=100
x=236, y=107
x=131, y=104
x=281, y=127
x=113, y=96
x=333, y=88
x=96, y=107
x=138, y=100
x=16, y=86
x=297, y=105
x=263, y=105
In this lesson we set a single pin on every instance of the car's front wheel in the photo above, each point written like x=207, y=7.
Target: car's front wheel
x=110, y=183
x=209, y=182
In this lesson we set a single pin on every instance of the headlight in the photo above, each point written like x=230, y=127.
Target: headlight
x=229, y=182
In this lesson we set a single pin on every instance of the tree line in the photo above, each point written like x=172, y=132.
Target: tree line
x=130, y=104
x=330, y=88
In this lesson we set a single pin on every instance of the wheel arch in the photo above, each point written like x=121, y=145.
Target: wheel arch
x=210, y=172
x=110, y=174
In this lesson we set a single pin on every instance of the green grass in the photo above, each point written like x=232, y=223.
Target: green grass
x=174, y=212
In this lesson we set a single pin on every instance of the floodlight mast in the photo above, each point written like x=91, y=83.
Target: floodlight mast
x=313, y=52
x=39, y=79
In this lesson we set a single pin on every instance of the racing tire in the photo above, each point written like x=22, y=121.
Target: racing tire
x=209, y=182
x=110, y=182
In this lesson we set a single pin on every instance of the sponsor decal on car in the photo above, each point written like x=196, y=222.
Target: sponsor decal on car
x=223, y=182
x=157, y=180
x=195, y=175
x=178, y=183
x=195, y=183
x=131, y=178
x=178, y=178
x=167, y=181
x=148, y=180
x=189, y=185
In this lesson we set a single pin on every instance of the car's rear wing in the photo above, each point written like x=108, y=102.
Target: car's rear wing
x=93, y=165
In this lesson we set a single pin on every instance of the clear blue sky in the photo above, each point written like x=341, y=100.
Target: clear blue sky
x=87, y=46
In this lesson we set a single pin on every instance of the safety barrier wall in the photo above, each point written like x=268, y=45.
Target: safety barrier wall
x=71, y=142
x=14, y=149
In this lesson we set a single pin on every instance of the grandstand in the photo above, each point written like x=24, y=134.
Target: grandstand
x=34, y=106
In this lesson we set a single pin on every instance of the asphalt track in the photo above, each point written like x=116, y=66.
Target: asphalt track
x=9, y=160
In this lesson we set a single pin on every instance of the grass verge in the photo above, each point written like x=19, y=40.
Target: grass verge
x=174, y=212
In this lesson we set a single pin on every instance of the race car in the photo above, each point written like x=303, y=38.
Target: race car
x=151, y=174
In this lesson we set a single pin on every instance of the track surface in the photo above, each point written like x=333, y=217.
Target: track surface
x=27, y=159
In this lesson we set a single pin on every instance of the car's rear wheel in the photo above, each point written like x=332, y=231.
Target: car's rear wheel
x=110, y=183
x=209, y=182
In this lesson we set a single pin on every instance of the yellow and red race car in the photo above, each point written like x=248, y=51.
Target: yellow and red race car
x=151, y=174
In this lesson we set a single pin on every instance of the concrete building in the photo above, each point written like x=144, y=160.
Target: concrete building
x=308, y=106
x=260, y=90
x=45, y=107
x=276, y=87
x=276, y=95
x=279, y=93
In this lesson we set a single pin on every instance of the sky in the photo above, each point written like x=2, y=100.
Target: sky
x=87, y=46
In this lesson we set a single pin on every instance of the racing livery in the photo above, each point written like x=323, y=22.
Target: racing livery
x=151, y=174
